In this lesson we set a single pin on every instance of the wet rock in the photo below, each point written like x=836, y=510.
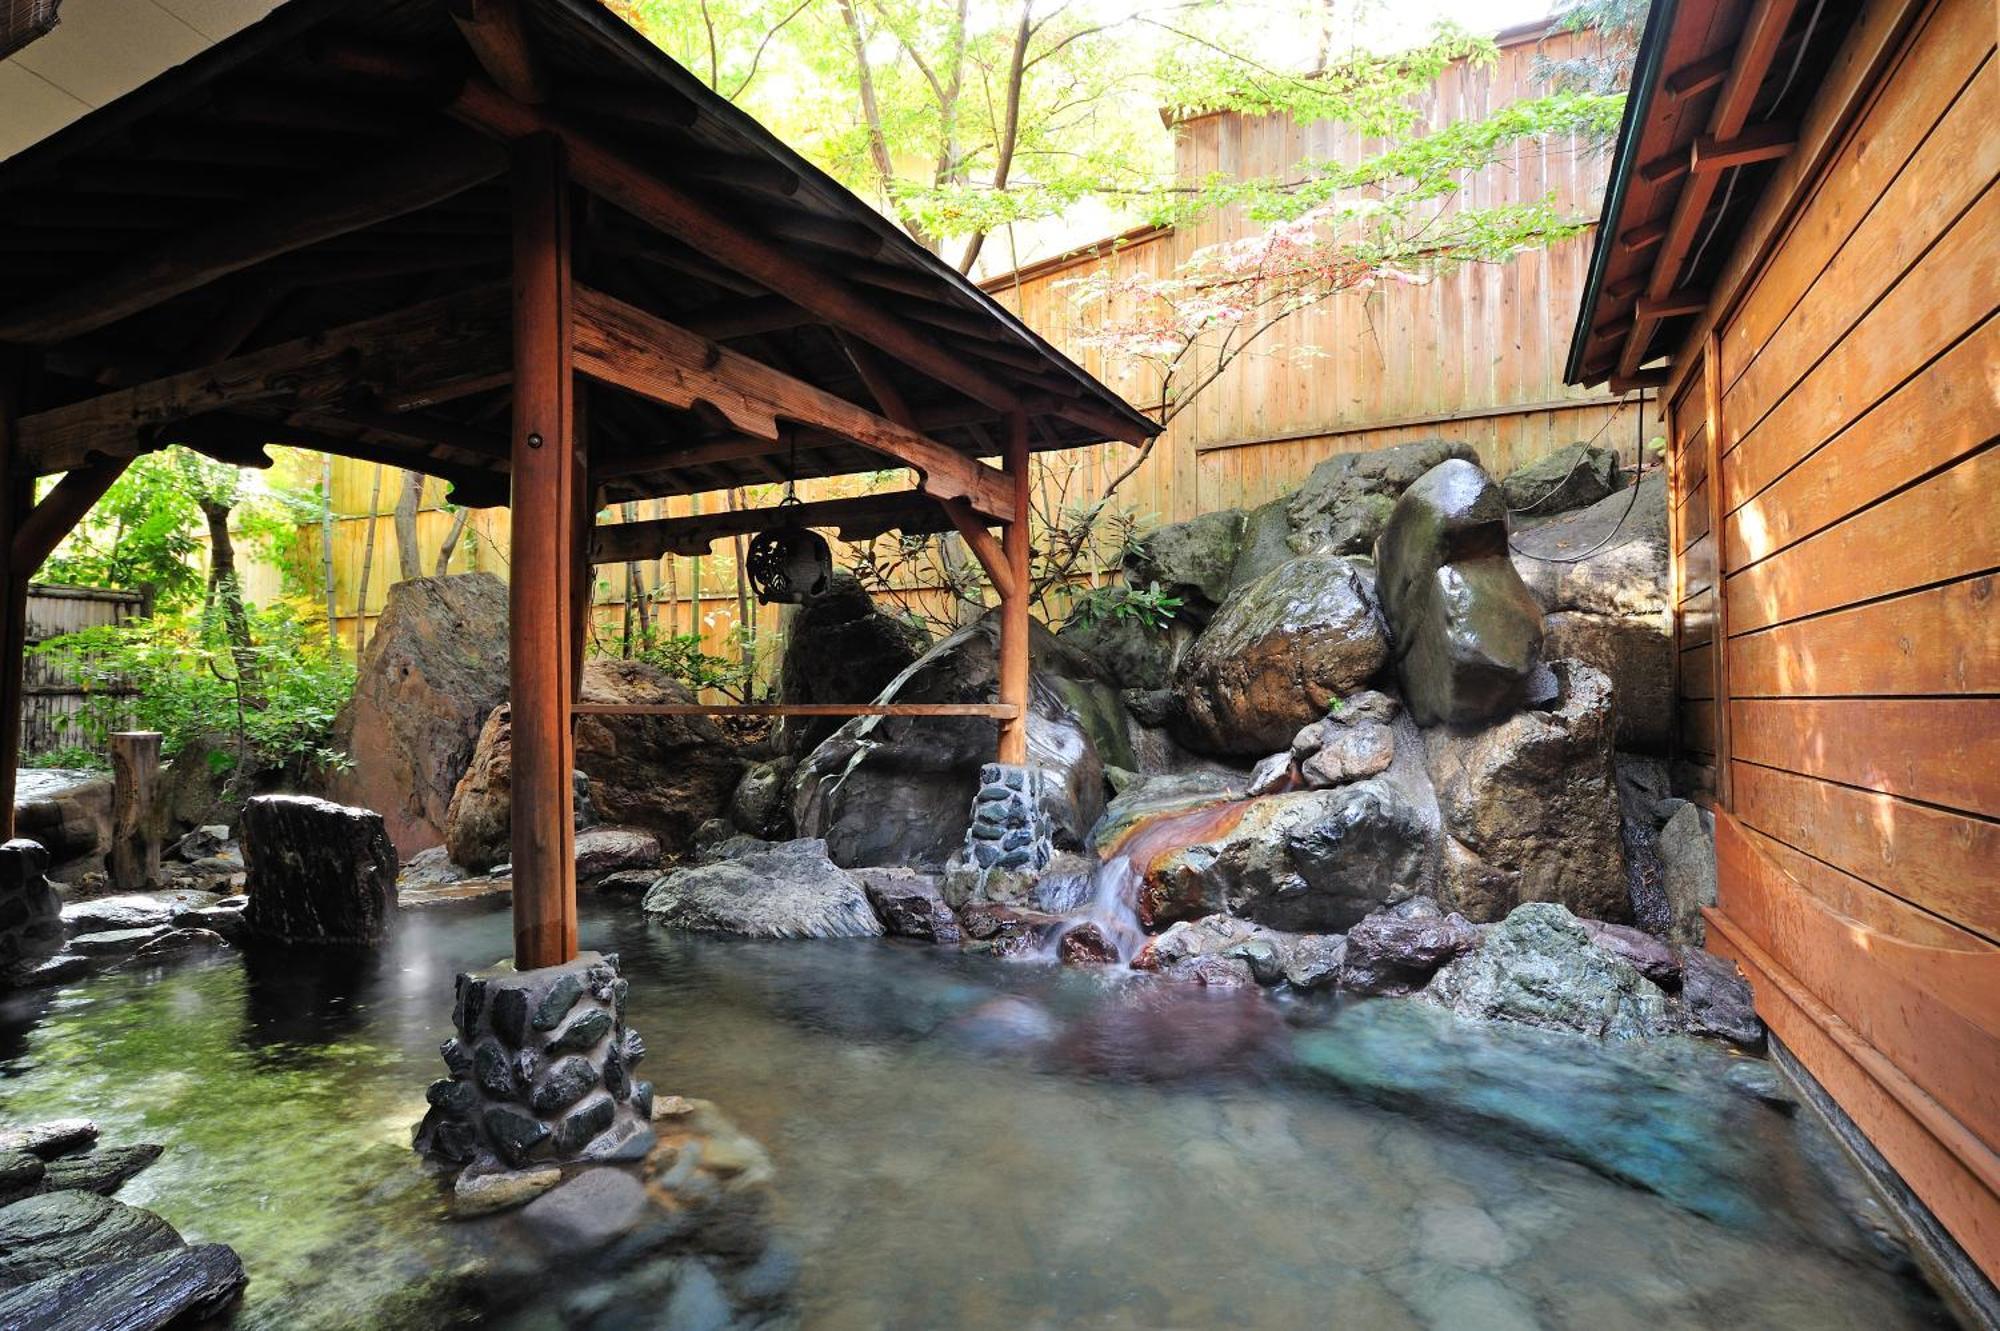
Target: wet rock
x=132, y=910
x=761, y=805
x=102, y=1171
x=476, y=1193
x=228, y=919
x=608, y=850
x=68, y=814
x=20, y=1175
x=205, y=841
x=1273, y=776
x=783, y=889
x=1603, y=578
x=1638, y=949
x=1571, y=477
x=1467, y=632
x=665, y=775
x=174, y=942
x=180, y=1287
x=435, y=666
x=1134, y=652
x=62, y=1231
x=1312, y=861
x=31, y=926
x=909, y=904
x=1718, y=1000
x=1216, y=1026
x=1347, y=499
x=319, y=872
x=1013, y=930
x=49, y=1139
x=1644, y=787
x=1011, y=839
x=1539, y=968
x=1266, y=543
x=1086, y=945
x=1276, y=655
x=117, y=942
x=1687, y=863
x=1315, y=961
x=899, y=790
x=587, y=1212
x=1396, y=951
x=1153, y=796
x=1191, y=560
x=838, y=648
x=1530, y=806
x=59, y=969
x=1354, y=740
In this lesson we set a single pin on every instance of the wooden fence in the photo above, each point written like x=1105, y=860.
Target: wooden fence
x=55, y=691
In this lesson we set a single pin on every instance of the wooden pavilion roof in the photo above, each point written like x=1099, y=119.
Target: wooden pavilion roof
x=1717, y=89
x=302, y=237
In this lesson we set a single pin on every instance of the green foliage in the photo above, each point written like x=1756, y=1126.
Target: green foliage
x=1619, y=24
x=1150, y=608
x=175, y=674
x=682, y=656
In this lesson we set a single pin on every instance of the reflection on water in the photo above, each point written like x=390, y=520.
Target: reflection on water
x=962, y=1143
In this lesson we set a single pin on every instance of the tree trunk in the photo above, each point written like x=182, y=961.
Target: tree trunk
x=409, y=564
x=445, y=551
x=226, y=590
x=326, y=553
x=367, y=565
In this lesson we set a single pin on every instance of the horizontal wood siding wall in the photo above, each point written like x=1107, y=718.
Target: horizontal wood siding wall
x=1856, y=527
x=1474, y=356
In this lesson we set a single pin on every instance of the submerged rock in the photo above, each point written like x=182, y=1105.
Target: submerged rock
x=765, y=889
x=1278, y=653
x=434, y=667
x=63, y=1231
x=1530, y=806
x=178, y=1287
x=1467, y=632
x=1538, y=967
x=909, y=904
x=319, y=872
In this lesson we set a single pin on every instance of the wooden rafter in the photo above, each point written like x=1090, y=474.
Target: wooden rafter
x=407, y=354
x=861, y=518
x=1755, y=49
x=620, y=345
x=436, y=167
x=492, y=28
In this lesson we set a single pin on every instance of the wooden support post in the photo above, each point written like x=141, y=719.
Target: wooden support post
x=1014, y=601
x=135, y=828
x=544, y=567
x=16, y=497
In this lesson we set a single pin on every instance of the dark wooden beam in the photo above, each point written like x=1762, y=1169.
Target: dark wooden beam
x=240, y=440
x=17, y=493
x=493, y=29
x=746, y=318
x=61, y=509
x=417, y=353
x=1700, y=75
x=609, y=173
x=1761, y=143
x=417, y=176
x=1672, y=306
x=861, y=518
x=626, y=347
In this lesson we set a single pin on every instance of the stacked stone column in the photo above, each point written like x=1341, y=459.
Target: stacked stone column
x=541, y=1071
x=1010, y=829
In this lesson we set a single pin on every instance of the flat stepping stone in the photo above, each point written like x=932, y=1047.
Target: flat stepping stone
x=63, y=1231
x=172, y=1288
x=114, y=942
x=132, y=910
x=590, y=1210
x=102, y=1171
x=49, y=1139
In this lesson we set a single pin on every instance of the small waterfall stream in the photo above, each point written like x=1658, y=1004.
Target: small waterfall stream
x=1113, y=901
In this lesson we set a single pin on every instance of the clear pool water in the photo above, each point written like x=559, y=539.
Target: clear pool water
x=968, y=1143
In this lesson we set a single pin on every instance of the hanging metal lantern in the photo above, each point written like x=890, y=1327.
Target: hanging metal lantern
x=788, y=563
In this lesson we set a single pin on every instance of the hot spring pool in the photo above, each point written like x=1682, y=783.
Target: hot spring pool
x=968, y=1143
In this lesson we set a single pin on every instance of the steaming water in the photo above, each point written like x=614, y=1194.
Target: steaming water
x=959, y=1143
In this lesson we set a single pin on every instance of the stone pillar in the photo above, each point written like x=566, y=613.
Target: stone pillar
x=1011, y=839
x=541, y=1071
x=30, y=912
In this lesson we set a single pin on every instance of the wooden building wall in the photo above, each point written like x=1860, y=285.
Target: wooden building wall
x=1475, y=355
x=1837, y=521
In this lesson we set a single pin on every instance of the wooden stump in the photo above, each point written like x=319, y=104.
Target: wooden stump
x=135, y=825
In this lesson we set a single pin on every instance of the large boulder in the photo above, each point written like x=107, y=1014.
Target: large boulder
x=765, y=889
x=1539, y=967
x=1135, y=651
x=1603, y=578
x=1467, y=633
x=1396, y=951
x=897, y=790
x=1571, y=477
x=1277, y=654
x=433, y=670
x=1346, y=501
x=1530, y=806
x=31, y=925
x=840, y=648
x=317, y=872
x=1309, y=861
x=67, y=812
x=666, y=775
x=1192, y=560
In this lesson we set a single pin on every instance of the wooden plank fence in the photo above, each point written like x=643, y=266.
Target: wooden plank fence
x=55, y=691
